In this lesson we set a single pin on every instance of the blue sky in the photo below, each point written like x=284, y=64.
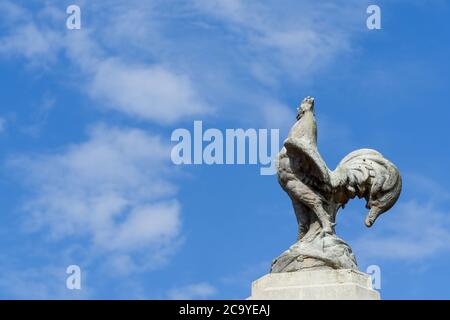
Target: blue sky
x=86, y=118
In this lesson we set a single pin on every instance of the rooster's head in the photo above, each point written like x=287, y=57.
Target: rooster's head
x=306, y=105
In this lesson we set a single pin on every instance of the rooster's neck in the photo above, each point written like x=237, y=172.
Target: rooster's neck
x=307, y=128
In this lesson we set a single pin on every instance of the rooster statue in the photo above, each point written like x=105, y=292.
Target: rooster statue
x=318, y=193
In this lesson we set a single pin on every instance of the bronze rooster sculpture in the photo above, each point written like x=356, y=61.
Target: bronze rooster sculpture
x=318, y=193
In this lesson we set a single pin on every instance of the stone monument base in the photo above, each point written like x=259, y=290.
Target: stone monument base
x=326, y=284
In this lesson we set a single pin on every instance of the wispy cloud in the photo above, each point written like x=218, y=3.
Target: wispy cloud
x=31, y=42
x=277, y=115
x=174, y=77
x=200, y=290
x=37, y=283
x=39, y=115
x=29, y=36
x=147, y=90
x=113, y=190
x=294, y=39
x=417, y=229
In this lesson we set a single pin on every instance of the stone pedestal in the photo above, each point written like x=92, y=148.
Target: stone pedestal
x=328, y=284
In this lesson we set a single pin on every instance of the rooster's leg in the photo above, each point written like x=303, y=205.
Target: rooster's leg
x=299, y=192
x=303, y=221
x=323, y=217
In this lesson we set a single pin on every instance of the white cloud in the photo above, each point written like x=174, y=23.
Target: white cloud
x=31, y=42
x=135, y=23
x=173, y=78
x=415, y=230
x=37, y=283
x=436, y=192
x=200, y=290
x=112, y=190
x=12, y=12
x=27, y=36
x=147, y=224
x=147, y=92
x=277, y=115
x=294, y=39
